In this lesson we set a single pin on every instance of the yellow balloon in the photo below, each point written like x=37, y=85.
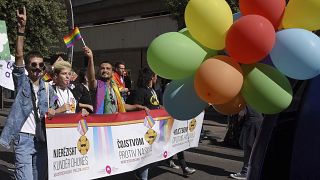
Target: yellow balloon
x=208, y=21
x=303, y=14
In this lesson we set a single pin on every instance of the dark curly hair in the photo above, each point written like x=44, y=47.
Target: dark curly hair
x=82, y=75
x=145, y=76
x=32, y=54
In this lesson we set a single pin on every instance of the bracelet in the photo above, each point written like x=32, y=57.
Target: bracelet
x=20, y=33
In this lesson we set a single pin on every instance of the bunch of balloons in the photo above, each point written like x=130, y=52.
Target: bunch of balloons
x=262, y=30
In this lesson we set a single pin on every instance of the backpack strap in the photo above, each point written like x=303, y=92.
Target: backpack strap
x=46, y=86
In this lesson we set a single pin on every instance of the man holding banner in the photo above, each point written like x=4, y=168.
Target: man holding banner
x=25, y=125
x=108, y=97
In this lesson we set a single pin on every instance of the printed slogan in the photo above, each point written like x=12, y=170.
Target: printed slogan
x=103, y=145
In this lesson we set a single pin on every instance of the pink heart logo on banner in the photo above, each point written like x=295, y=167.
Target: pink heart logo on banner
x=108, y=169
x=165, y=154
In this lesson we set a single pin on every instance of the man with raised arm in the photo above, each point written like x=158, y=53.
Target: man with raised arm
x=108, y=97
x=25, y=125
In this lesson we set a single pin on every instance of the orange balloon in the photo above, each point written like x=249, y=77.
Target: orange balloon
x=218, y=80
x=232, y=107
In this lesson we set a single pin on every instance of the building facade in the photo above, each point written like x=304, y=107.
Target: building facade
x=120, y=30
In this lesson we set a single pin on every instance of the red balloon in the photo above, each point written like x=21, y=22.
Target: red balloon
x=250, y=39
x=273, y=10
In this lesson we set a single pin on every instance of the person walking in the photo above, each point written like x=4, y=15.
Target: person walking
x=251, y=127
x=25, y=124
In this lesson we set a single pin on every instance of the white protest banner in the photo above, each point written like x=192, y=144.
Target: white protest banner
x=104, y=145
x=6, y=73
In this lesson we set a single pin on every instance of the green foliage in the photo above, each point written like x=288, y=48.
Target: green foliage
x=177, y=7
x=46, y=23
x=234, y=5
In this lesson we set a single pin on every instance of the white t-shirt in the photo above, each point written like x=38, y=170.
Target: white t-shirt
x=66, y=96
x=29, y=125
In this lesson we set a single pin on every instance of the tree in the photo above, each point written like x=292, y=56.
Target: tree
x=177, y=7
x=46, y=23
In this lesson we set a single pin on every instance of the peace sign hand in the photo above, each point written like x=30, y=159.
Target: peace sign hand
x=22, y=19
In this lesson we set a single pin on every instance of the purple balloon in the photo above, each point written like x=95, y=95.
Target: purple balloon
x=267, y=60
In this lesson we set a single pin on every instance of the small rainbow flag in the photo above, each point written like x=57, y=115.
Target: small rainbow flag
x=82, y=127
x=46, y=77
x=149, y=121
x=71, y=38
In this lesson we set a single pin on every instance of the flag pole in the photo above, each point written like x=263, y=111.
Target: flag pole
x=84, y=44
x=71, y=26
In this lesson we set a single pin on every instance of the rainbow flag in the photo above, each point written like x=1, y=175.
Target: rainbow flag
x=46, y=77
x=149, y=121
x=71, y=38
x=82, y=127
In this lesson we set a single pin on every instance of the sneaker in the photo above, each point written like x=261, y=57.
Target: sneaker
x=173, y=165
x=239, y=176
x=188, y=171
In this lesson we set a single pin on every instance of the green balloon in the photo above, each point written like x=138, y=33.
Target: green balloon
x=265, y=89
x=210, y=52
x=174, y=56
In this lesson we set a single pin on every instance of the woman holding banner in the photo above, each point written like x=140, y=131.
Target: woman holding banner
x=65, y=98
x=146, y=96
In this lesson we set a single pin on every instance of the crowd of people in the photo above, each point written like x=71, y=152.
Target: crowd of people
x=66, y=92
x=84, y=92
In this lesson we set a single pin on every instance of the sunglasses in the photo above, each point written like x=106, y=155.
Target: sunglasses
x=35, y=65
x=113, y=102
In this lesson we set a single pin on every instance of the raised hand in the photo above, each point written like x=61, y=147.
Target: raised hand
x=22, y=19
x=87, y=52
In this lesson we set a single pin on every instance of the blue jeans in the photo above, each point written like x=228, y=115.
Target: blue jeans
x=31, y=159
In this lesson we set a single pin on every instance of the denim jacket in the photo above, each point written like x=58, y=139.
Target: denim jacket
x=22, y=105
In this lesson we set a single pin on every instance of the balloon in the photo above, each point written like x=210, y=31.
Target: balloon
x=302, y=14
x=181, y=100
x=250, y=39
x=271, y=9
x=210, y=52
x=265, y=89
x=208, y=21
x=297, y=53
x=232, y=107
x=174, y=56
x=236, y=16
x=218, y=80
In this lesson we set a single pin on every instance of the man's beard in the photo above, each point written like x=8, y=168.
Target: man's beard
x=105, y=78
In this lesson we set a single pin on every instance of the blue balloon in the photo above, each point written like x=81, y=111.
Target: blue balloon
x=181, y=100
x=236, y=16
x=297, y=53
